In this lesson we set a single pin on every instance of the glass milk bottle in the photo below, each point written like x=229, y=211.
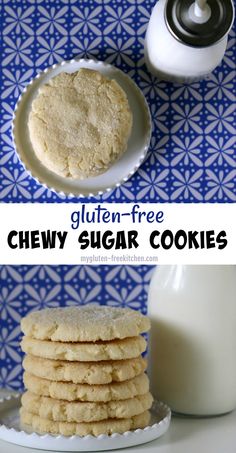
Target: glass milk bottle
x=193, y=338
x=187, y=39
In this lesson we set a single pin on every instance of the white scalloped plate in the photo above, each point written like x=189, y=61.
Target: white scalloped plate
x=121, y=170
x=11, y=431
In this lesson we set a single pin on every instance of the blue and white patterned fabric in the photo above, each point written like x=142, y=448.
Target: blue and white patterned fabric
x=191, y=157
x=26, y=288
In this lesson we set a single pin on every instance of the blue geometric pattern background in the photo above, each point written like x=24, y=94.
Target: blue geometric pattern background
x=191, y=157
x=27, y=288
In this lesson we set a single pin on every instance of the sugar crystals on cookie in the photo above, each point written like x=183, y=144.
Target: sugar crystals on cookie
x=80, y=123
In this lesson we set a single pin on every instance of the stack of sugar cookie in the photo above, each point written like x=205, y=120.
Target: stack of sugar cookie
x=84, y=371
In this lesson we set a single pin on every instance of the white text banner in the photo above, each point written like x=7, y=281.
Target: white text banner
x=103, y=233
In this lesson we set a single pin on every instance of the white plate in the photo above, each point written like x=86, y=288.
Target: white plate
x=121, y=170
x=11, y=431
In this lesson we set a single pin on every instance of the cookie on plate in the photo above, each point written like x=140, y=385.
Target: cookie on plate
x=108, y=426
x=80, y=123
x=76, y=411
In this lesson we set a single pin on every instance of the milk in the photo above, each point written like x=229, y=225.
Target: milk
x=193, y=338
x=170, y=59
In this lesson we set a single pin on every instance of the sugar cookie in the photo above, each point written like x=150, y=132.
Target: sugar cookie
x=87, y=323
x=85, y=372
x=109, y=426
x=80, y=123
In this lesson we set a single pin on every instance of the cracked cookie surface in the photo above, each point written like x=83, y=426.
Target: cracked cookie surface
x=80, y=123
x=127, y=348
x=109, y=426
x=60, y=410
x=87, y=323
x=85, y=372
x=85, y=392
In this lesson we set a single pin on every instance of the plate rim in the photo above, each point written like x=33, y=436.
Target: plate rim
x=164, y=421
x=147, y=138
